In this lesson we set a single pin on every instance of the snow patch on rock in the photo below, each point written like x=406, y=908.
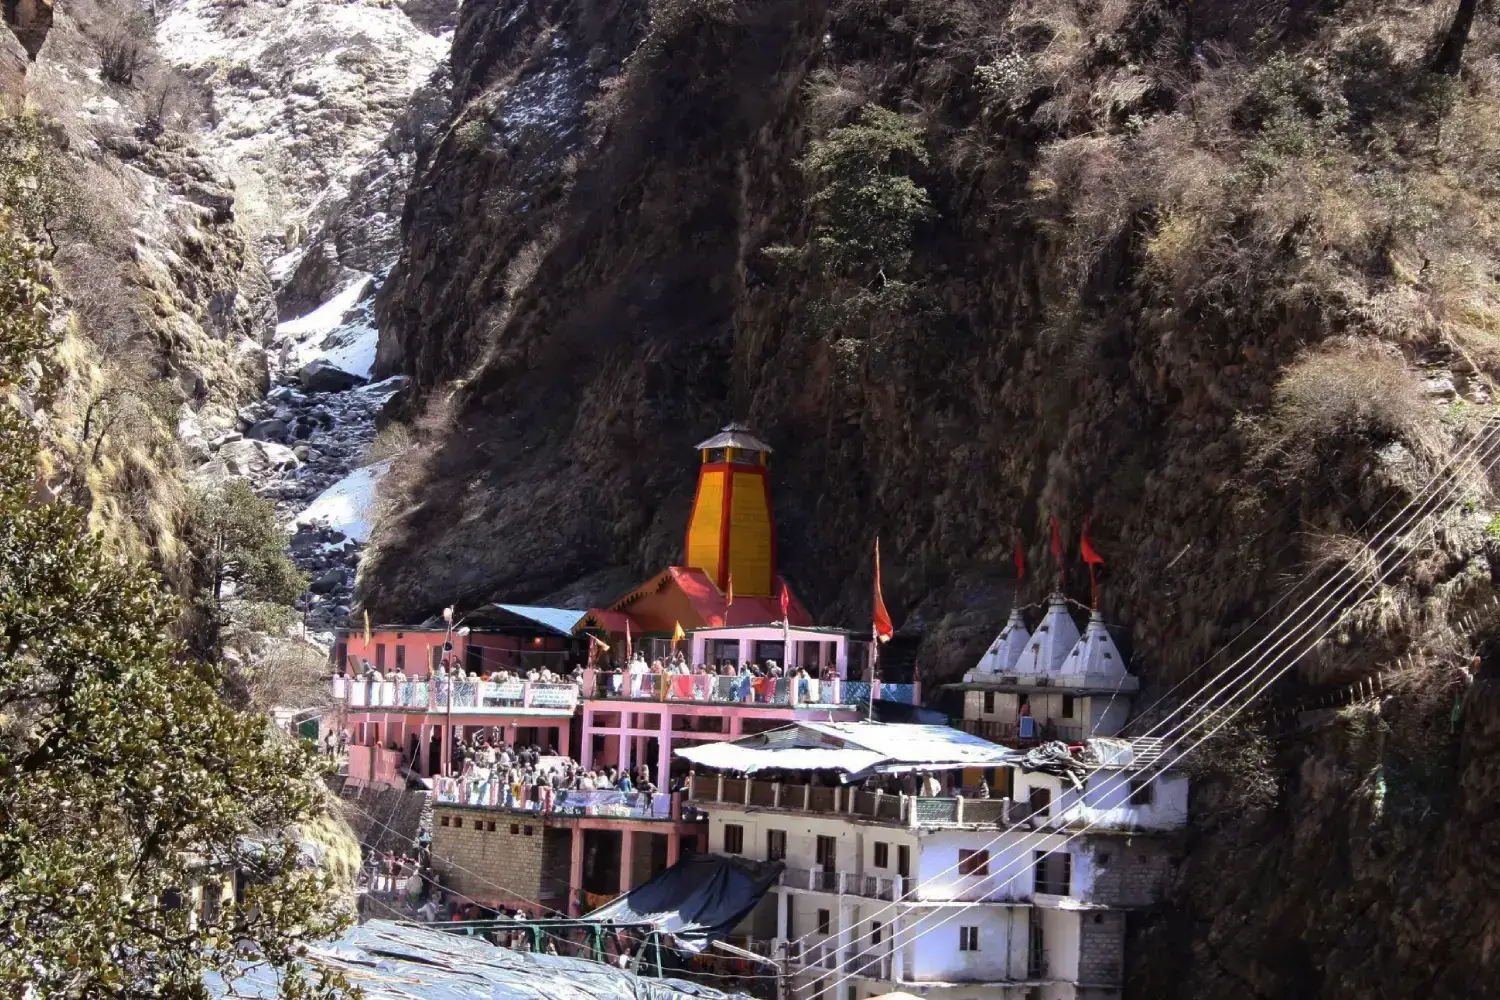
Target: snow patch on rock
x=341, y=331
x=346, y=505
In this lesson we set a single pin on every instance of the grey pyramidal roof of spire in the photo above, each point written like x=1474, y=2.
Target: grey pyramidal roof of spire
x=734, y=436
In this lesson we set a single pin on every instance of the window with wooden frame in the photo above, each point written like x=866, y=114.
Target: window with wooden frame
x=973, y=862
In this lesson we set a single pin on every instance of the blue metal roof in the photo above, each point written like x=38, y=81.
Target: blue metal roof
x=560, y=620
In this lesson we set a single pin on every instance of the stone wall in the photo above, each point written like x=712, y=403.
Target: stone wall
x=1129, y=872
x=502, y=858
x=1101, y=948
x=386, y=819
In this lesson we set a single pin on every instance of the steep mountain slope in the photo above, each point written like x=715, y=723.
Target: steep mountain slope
x=1112, y=306
x=1219, y=276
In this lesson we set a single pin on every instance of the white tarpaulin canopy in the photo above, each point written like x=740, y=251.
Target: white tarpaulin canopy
x=853, y=748
x=732, y=757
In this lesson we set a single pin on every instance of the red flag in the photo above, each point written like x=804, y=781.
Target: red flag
x=883, y=627
x=1020, y=561
x=628, y=657
x=1090, y=554
x=786, y=603
x=729, y=590
x=1093, y=558
x=1057, y=549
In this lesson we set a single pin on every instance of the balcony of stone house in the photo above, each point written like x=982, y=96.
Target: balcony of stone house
x=1039, y=811
x=1023, y=731
x=470, y=697
x=717, y=689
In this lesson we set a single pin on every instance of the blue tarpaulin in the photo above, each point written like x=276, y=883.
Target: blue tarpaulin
x=697, y=900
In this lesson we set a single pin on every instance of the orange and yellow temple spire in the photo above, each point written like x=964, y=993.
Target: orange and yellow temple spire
x=731, y=532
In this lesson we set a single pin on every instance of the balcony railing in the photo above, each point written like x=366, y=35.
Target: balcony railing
x=467, y=696
x=886, y=887
x=866, y=961
x=1025, y=731
x=717, y=689
x=711, y=788
x=557, y=802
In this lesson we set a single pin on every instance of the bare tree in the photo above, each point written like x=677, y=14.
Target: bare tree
x=1450, y=55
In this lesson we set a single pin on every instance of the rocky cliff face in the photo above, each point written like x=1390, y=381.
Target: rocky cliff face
x=585, y=289
x=1200, y=273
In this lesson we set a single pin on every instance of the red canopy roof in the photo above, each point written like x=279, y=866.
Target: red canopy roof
x=703, y=598
x=611, y=622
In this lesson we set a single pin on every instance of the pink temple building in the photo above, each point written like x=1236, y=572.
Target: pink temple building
x=568, y=849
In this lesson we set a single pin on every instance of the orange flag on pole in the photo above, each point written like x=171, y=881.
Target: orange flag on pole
x=883, y=628
x=1020, y=561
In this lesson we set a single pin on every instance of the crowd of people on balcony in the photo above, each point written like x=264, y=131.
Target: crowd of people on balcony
x=677, y=665
x=488, y=772
x=450, y=668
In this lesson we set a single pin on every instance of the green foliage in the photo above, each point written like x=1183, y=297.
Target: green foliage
x=241, y=543
x=125, y=781
x=865, y=208
x=243, y=580
x=26, y=200
x=1007, y=82
x=474, y=134
x=865, y=204
x=1492, y=529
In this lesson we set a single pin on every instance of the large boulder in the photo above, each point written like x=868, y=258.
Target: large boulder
x=248, y=457
x=322, y=375
x=267, y=430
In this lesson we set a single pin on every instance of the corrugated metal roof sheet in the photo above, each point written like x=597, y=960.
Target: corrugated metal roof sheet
x=560, y=620
x=391, y=961
x=747, y=760
x=853, y=747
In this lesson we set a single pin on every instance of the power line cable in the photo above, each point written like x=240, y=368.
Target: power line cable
x=1271, y=639
x=1292, y=640
x=1338, y=620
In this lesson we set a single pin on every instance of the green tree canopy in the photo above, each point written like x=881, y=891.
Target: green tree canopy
x=124, y=780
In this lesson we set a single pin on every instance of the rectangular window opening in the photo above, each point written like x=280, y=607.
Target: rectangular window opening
x=734, y=838
x=882, y=855
x=973, y=862
x=776, y=845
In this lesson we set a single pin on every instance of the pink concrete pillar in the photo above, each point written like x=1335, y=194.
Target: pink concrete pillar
x=627, y=858
x=562, y=740
x=611, y=751
x=586, y=752
x=664, y=752
x=627, y=742
x=674, y=847
x=575, y=874
x=510, y=734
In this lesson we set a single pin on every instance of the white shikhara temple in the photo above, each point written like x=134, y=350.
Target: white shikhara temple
x=1052, y=683
x=1002, y=872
